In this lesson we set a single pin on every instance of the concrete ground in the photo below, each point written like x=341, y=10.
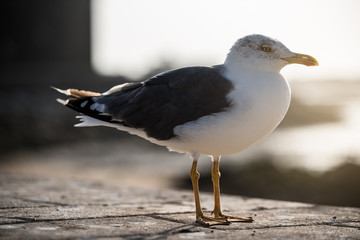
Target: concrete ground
x=51, y=208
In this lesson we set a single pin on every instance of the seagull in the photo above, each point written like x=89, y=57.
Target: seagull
x=218, y=110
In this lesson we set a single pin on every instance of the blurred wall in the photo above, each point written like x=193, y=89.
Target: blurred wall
x=40, y=31
x=44, y=43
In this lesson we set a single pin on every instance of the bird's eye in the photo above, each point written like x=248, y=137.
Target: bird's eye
x=266, y=48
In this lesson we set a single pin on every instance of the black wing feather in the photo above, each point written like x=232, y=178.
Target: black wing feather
x=167, y=100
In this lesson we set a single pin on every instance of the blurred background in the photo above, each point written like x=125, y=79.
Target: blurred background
x=313, y=156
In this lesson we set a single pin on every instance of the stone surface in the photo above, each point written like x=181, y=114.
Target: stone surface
x=50, y=208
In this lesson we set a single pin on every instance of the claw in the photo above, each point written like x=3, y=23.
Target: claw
x=233, y=218
x=211, y=221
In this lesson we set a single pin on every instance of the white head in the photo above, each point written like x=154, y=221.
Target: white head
x=263, y=53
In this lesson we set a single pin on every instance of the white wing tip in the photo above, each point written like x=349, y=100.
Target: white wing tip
x=66, y=92
x=63, y=102
x=86, y=121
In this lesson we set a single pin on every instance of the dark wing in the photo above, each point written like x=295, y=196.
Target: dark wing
x=158, y=104
x=169, y=99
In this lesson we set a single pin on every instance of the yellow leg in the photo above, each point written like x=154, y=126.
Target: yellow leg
x=200, y=217
x=215, y=174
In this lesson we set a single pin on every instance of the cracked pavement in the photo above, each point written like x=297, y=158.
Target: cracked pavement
x=50, y=208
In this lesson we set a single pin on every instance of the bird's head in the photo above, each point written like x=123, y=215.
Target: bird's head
x=265, y=54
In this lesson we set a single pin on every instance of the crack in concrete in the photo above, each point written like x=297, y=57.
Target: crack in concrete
x=32, y=220
x=54, y=203
x=42, y=201
x=23, y=207
x=159, y=217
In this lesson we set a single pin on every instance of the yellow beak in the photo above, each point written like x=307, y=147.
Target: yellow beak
x=302, y=59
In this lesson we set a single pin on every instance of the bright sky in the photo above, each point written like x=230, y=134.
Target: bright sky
x=131, y=37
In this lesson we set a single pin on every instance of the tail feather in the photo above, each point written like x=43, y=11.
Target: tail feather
x=85, y=102
x=77, y=93
x=86, y=121
x=63, y=102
